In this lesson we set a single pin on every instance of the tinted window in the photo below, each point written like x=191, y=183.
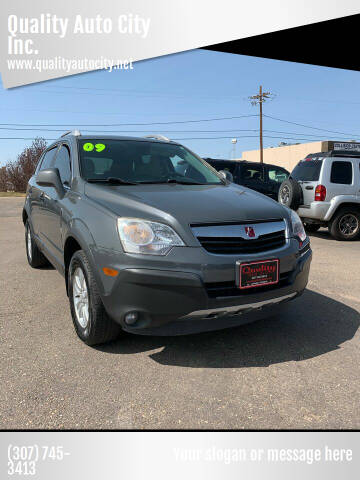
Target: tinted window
x=62, y=162
x=142, y=162
x=277, y=174
x=221, y=165
x=341, y=172
x=179, y=165
x=251, y=173
x=307, y=170
x=48, y=158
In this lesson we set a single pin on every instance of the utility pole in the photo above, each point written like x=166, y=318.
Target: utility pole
x=259, y=99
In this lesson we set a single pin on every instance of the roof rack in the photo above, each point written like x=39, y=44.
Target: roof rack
x=333, y=153
x=158, y=137
x=76, y=133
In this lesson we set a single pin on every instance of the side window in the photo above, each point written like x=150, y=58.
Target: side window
x=62, y=162
x=48, y=158
x=251, y=173
x=229, y=166
x=218, y=165
x=179, y=164
x=341, y=172
x=277, y=174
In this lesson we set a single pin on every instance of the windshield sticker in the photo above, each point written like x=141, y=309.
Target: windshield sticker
x=89, y=147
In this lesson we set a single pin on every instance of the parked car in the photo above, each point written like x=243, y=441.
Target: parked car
x=263, y=178
x=324, y=189
x=147, y=250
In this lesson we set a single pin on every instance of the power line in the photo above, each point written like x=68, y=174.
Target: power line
x=137, y=95
x=179, y=94
x=185, y=138
x=132, y=131
x=245, y=136
x=24, y=138
x=301, y=134
x=80, y=125
x=66, y=125
x=287, y=98
x=143, y=93
x=311, y=127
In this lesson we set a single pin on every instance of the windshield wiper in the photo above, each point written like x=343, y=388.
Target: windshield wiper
x=184, y=182
x=111, y=180
x=173, y=180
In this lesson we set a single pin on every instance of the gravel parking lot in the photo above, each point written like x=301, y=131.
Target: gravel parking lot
x=299, y=370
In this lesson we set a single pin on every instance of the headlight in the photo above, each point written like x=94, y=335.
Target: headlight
x=142, y=236
x=297, y=226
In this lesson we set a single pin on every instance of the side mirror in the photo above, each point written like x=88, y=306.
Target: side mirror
x=226, y=175
x=50, y=177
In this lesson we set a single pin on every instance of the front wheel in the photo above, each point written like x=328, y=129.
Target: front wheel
x=91, y=322
x=34, y=256
x=345, y=225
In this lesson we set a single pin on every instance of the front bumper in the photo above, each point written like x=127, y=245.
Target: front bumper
x=171, y=302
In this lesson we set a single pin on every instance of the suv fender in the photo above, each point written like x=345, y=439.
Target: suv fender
x=25, y=215
x=81, y=235
x=341, y=201
x=26, y=210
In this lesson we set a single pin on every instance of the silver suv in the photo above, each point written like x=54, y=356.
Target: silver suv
x=324, y=189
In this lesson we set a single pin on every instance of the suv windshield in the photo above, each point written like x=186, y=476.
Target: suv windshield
x=307, y=170
x=136, y=161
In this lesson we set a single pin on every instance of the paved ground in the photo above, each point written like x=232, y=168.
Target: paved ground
x=300, y=370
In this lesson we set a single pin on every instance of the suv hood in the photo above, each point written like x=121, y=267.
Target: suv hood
x=186, y=203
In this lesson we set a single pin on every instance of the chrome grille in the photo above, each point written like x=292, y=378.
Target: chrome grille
x=232, y=239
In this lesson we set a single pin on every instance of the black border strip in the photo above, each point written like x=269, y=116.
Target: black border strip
x=332, y=43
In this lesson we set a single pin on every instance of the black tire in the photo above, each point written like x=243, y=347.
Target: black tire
x=346, y=220
x=100, y=328
x=33, y=254
x=290, y=194
x=312, y=227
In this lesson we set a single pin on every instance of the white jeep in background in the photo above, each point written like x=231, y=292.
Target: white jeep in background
x=324, y=189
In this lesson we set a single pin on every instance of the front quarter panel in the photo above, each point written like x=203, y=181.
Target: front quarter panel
x=95, y=230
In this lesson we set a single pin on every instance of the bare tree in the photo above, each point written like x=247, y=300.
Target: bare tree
x=4, y=182
x=18, y=172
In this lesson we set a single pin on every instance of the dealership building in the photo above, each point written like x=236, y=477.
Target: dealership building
x=287, y=156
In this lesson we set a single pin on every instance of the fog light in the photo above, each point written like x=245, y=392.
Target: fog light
x=131, y=318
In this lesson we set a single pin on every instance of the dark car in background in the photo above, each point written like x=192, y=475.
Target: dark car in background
x=263, y=178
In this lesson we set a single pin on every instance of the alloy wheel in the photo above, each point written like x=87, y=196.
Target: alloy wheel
x=29, y=243
x=285, y=194
x=348, y=224
x=80, y=297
